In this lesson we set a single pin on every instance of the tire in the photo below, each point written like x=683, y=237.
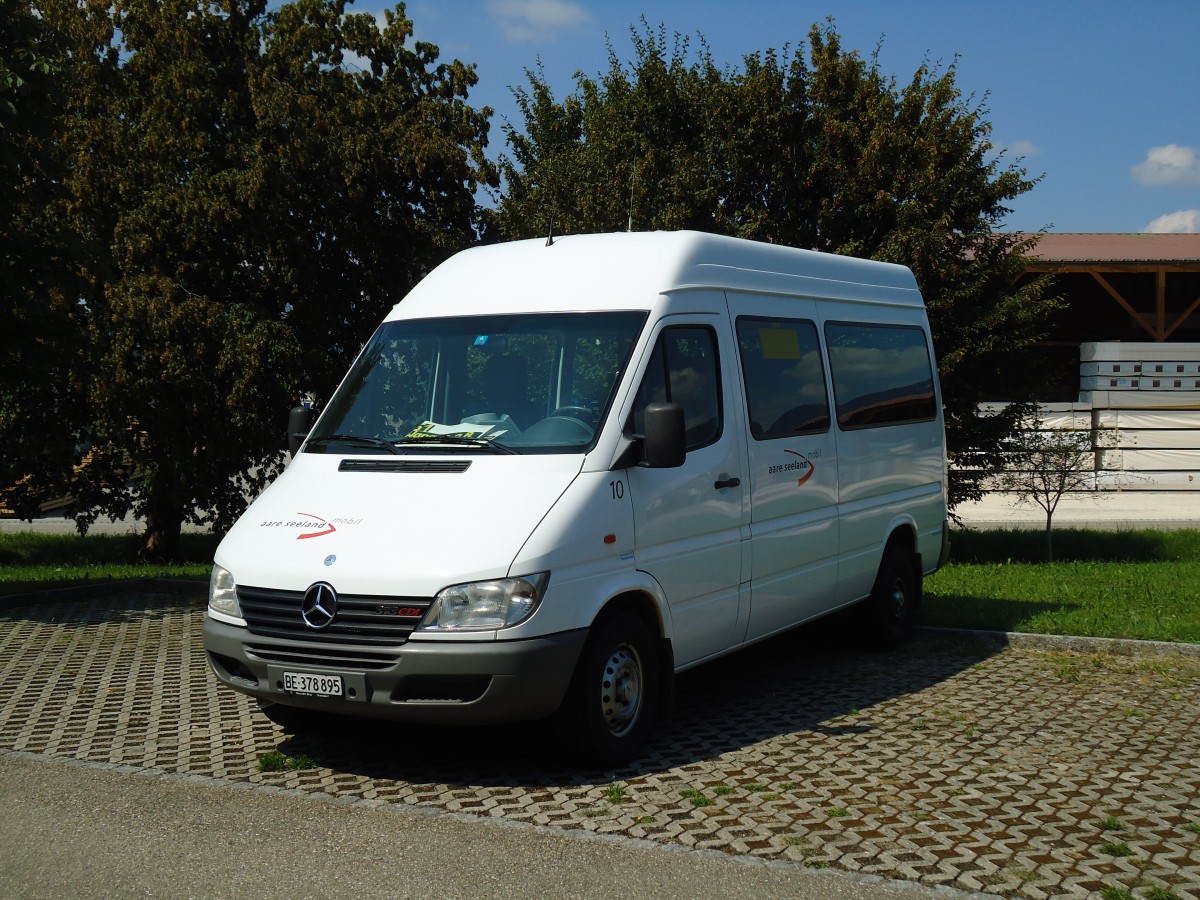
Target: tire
x=611, y=705
x=891, y=609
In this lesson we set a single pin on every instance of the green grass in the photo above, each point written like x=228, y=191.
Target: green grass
x=1160, y=893
x=1075, y=545
x=695, y=797
x=1135, y=584
x=274, y=761
x=30, y=561
x=1125, y=584
x=615, y=793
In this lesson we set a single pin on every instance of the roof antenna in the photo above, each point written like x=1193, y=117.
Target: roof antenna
x=629, y=226
x=550, y=236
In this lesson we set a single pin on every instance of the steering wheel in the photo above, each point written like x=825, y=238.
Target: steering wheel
x=582, y=413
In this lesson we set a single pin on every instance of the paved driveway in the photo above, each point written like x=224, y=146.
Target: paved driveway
x=1017, y=772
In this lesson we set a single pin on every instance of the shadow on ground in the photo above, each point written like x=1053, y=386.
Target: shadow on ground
x=808, y=680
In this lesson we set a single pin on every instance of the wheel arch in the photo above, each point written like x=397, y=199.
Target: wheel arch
x=652, y=612
x=903, y=536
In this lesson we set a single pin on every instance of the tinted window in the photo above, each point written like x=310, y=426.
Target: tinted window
x=684, y=370
x=785, y=379
x=881, y=374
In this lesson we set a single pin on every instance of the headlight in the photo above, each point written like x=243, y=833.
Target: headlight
x=222, y=593
x=486, y=605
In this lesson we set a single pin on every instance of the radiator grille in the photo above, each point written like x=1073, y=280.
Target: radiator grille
x=362, y=619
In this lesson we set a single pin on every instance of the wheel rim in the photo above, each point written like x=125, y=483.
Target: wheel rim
x=621, y=690
x=898, y=598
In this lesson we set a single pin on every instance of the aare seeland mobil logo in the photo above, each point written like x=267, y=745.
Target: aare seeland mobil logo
x=803, y=467
x=310, y=525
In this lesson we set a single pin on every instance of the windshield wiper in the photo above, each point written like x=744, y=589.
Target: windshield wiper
x=356, y=439
x=454, y=440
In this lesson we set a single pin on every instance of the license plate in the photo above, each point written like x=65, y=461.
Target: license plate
x=312, y=685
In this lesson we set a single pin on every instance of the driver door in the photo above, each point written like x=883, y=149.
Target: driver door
x=691, y=522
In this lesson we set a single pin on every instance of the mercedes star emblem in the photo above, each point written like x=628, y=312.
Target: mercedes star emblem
x=319, y=605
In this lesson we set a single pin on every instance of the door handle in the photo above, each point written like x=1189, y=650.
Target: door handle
x=727, y=483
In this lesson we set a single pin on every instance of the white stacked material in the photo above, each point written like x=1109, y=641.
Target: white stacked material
x=1145, y=439
x=1077, y=418
x=1136, y=398
x=1139, y=383
x=1128, y=459
x=1134, y=419
x=1138, y=352
x=1168, y=369
x=1167, y=375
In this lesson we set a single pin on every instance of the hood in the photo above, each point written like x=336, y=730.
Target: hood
x=398, y=526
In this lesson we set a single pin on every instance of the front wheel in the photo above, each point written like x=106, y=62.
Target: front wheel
x=611, y=705
x=891, y=610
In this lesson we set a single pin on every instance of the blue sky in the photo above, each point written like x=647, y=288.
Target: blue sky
x=1101, y=98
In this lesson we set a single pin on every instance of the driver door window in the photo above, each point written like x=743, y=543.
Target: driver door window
x=683, y=369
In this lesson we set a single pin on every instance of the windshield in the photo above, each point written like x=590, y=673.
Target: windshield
x=533, y=383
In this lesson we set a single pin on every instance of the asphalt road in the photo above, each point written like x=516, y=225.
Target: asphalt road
x=72, y=829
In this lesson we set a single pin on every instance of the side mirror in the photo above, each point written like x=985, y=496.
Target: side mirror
x=665, y=442
x=300, y=423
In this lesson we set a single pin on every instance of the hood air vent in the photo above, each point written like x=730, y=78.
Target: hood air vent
x=436, y=466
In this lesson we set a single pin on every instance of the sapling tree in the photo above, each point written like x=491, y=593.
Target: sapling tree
x=1045, y=464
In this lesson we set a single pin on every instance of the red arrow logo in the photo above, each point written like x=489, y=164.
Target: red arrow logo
x=811, y=467
x=329, y=529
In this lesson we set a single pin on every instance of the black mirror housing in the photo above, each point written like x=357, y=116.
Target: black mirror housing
x=664, y=445
x=300, y=423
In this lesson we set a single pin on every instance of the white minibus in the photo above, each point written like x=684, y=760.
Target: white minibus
x=562, y=471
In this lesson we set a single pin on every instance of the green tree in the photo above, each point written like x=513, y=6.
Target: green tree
x=820, y=150
x=259, y=187
x=40, y=410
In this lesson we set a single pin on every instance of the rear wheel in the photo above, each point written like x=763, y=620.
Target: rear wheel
x=613, y=698
x=891, y=610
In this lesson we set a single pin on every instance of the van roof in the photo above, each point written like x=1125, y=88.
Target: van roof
x=630, y=270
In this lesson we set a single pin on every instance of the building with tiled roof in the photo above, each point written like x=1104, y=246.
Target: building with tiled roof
x=1119, y=287
x=1119, y=249
x=1143, y=287
x=1123, y=361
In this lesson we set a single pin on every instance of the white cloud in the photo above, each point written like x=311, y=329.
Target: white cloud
x=1169, y=164
x=1023, y=149
x=523, y=21
x=1186, y=221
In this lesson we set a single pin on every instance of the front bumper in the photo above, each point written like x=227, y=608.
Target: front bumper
x=445, y=682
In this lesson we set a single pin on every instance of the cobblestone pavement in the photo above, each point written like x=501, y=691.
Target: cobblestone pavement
x=1014, y=772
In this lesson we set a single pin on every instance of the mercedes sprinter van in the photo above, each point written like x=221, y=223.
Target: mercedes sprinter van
x=561, y=472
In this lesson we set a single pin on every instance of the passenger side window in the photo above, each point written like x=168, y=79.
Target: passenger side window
x=684, y=369
x=785, y=378
x=882, y=374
